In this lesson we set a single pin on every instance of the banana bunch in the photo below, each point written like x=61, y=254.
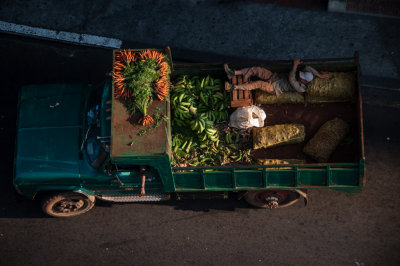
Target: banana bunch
x=232, y=137
x=214, y=100
x=197, y=103
x=212, y=134
x=183, y=144
x=200, y=123
x=233, y=150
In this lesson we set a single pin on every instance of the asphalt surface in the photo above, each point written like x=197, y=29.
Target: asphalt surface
x=246, y=29
x=334, y=229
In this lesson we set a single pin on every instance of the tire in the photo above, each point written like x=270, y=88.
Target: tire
x=270, y=199
x=66, y=204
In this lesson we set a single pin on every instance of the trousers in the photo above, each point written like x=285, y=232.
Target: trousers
x=265, y=84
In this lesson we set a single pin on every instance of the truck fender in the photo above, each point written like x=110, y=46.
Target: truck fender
x=87, y=193
x=304, y=195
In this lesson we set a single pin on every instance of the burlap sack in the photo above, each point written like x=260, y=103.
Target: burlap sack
x=325, y=141
x=286, y=97
x=340, y=87
x=270, y=136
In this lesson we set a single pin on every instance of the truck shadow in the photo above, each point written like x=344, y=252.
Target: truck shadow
x=21, y=209
x=196, y=205
x=12, y=206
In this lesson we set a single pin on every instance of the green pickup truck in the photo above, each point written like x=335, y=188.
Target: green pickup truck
x=76, y=143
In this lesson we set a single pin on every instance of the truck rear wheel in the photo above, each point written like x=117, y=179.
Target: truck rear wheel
x=66, y=204
x=271, y=199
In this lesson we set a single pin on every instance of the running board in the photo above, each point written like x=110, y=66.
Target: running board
x=134, y=197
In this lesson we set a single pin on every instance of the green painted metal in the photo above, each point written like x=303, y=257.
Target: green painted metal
x=308, y=176
x=48, y=135
x=100, y=182
x=105, y=106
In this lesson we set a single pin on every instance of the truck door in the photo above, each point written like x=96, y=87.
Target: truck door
x=128, y=177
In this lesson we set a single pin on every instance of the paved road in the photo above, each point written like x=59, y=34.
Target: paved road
x=236, y=28
x=335, y=229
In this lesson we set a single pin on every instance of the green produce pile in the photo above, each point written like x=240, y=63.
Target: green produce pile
x=140, y=77
x=200, y=132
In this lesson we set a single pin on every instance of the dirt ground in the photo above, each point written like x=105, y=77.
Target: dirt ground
x=334, y=229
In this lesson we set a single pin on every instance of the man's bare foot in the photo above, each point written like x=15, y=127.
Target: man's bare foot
x=229, y=72
x=228, y=86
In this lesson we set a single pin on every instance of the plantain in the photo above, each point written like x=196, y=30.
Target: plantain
x=228, y=138
x=188, y=146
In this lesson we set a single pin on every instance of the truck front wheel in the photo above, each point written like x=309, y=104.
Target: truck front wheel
x=66, y=204
x=271, y=199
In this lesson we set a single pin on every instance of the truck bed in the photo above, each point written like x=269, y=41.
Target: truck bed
x=345, y=169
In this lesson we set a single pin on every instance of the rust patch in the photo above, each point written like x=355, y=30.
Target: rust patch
x=125, y=140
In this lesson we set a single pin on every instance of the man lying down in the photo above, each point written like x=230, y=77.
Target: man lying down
x=274, y=82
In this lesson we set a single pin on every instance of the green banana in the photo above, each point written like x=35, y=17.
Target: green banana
x=188, y=146
x=181, y=97
x=233, y=146
x=193, y=110
x=203, y=98
x=202, y=125
x=211, y=81
x=184, y=144
x=228, y=138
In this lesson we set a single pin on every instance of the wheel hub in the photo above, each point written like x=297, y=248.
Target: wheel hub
x=272, y=198
x=66, y=206
x=272, y=202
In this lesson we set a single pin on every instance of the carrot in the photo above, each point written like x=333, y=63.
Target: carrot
x=146, y=120
x=118, y=66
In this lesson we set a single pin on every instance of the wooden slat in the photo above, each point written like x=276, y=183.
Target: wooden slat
x=240, y=98
x=235, y=95
x=234, y=80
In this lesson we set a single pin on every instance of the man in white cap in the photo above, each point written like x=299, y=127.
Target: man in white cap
x=274, y=82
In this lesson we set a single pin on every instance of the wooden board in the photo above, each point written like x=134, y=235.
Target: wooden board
x=240, y=98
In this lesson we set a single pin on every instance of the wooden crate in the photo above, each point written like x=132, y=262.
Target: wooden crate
x=240, y=98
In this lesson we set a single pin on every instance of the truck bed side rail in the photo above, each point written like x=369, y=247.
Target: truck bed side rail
x=333, y=176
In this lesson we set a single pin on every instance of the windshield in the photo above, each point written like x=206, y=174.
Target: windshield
x=97, y=137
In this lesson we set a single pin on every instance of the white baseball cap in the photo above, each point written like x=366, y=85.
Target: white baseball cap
x=306, y=76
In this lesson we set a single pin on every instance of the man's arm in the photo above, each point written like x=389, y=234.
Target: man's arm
x=315, y=72
x=292, y=77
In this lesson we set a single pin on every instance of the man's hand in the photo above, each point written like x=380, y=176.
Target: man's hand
x=142, y=192
x=296, y=63
x=323, y=75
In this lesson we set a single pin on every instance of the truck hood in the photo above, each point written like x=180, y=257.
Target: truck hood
x=48, y=134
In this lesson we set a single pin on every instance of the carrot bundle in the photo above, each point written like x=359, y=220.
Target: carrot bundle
x=146, y=120
x=125, y=57
x=122, y=77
